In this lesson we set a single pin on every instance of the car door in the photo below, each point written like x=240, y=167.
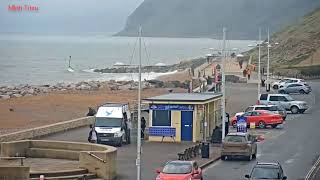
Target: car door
x=298, y=87
x=273, y=99
x=255, y=117
x=248, y=116
x=282, y=100
x=290, y=88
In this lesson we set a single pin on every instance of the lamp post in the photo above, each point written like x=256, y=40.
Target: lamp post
x=259, y=68
x=223, y=104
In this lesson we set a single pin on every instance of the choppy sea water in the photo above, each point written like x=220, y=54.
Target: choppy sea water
x=43, y=59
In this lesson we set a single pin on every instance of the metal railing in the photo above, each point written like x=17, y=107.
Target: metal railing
x=11, y=158
x=96, y=157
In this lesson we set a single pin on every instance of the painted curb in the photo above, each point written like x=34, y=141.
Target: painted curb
x=211, y=161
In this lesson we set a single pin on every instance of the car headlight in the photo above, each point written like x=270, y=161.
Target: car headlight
x=158, y=178
x=117, y=134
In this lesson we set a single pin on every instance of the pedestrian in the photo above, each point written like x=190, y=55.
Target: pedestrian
x=92, y=138
x=249, y=74
x=143, y=127
x=244, y=73
x=91, y=112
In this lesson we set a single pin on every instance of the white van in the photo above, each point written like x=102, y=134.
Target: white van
x=113, y=124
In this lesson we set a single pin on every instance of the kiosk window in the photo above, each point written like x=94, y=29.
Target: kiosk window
x=161, y=118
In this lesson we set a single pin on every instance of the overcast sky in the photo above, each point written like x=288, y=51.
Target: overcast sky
x=67, y=16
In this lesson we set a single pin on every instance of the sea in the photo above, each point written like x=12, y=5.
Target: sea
x=43, y=59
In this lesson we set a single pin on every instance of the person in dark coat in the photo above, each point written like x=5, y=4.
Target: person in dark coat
x=143, y=126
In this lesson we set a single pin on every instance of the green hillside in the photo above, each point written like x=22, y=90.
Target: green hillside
x=298, y=48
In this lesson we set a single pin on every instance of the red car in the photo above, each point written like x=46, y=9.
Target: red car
x=180, y=170
x=261, y=118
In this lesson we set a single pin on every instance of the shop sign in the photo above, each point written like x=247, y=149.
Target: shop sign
x=180, y=107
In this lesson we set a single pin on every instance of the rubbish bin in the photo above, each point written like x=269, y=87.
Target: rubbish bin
x=205, y=150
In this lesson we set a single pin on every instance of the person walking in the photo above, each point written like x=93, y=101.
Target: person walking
x=92, y=138
x=143, y=127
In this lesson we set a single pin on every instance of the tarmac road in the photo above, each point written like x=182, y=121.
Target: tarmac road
x=297, y=148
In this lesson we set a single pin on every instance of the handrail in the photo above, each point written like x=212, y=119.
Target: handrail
x=95, y=156
x=8, y=158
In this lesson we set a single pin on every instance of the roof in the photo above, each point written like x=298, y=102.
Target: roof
x=113, y=104
x=263, y=105
x=237, y=134
x=268, y=164
x=195, y=97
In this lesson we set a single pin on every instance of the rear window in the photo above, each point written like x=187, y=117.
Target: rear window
x=263, y=96
x=238, y=139
x=262, y=108
x=249, y=109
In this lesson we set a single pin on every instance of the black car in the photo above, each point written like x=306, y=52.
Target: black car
x=266, y=171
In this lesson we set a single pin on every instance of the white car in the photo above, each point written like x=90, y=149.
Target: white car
x=278, y=84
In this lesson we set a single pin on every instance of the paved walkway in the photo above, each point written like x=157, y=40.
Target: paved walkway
x=154, y=154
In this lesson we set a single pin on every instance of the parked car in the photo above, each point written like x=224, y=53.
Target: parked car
x=261, y=118
x=266, y=171
x=295, y=88
x=274, y=108
x=239, y=144
x=285, y=101
x=180, y=170
x=292, y=80
x=276, y=84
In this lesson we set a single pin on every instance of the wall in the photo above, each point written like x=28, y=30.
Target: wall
x=48, y=129
x=68, y=150
x=176, y=123
x=14, y=172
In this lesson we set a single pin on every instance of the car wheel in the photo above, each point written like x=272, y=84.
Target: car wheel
x=249, y=158
x=234, y=124
x=121, y=142
x=282, y=92
x=262, y=124
x=274, y=125
x=302, y=91
x=201, y=178
x=223, y=158
x=294, y=109
x=254, y=156
x=302, y=111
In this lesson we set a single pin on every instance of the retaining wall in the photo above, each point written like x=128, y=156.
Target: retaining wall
x=46, y=130
x=97, y=159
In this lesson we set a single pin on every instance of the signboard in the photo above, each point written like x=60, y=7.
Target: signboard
x=241, y=124
x=180, y=107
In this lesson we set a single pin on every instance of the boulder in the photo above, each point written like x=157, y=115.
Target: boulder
x=30, y=91
x=16, y=95
x=4, y=97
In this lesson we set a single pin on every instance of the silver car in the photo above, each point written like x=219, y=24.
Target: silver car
x=285, y=101
x=301, y=88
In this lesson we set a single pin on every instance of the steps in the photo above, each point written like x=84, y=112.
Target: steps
x=60, y=175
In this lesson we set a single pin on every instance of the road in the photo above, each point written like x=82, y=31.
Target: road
x=297, y=148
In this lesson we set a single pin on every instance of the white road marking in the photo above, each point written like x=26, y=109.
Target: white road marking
x=313, y=170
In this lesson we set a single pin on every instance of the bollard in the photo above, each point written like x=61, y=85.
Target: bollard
x=41, y=177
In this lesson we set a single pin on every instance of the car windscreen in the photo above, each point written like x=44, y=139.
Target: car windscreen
x=235, y=139
x=265, y=173
x=249, y=109
x=108, y=122
x=177, y=168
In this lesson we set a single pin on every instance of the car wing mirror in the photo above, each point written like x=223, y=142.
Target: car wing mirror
x=158, y=170
x=195, y=172
x=247, y=176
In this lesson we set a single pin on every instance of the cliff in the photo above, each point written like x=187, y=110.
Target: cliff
x=205, y=18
